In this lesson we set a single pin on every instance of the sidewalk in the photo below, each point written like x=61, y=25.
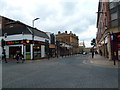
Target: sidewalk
x=102, y=61
x=28, y=61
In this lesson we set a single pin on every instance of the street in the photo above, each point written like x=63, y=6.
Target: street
x=68, y=72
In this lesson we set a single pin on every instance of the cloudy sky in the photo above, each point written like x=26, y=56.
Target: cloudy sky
x=78, y=16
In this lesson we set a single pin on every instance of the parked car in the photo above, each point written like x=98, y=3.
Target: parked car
x=84, y=53
x=80, y=53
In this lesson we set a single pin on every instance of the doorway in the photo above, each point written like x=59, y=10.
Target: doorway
x=13, y=50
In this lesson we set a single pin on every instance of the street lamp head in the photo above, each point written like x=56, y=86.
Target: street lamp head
x=36, y=19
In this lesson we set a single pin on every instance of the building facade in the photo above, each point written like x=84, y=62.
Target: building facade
x=70, y=41
x=52, y=44
x=108, y=29
x=19, y=37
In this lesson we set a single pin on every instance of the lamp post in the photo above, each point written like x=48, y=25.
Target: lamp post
x=33, y=35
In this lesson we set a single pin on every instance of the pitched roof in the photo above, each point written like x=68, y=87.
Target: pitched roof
x=24, y=29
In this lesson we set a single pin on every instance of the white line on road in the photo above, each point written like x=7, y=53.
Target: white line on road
x=84, y=61
x=91, y=61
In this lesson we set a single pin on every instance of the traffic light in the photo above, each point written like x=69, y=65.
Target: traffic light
x=93, y=42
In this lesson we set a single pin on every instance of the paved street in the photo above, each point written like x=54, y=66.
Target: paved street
x=68, y=72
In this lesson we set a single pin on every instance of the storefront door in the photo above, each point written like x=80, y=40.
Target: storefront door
x=13, y=50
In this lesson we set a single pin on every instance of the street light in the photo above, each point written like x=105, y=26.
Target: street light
x=33, y=35
x=34, y=20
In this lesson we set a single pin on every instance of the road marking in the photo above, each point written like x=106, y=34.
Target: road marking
x=84, y=61
x=91, y=61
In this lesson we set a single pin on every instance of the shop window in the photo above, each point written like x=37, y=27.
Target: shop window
x=27, y=51
x=0, y=25
x=37, y=51
x=114, y=23
x=27, y=48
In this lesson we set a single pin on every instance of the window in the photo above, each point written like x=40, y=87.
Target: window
x=0, y=26
x=113, y=4
x=114, y=16
x=114, y=23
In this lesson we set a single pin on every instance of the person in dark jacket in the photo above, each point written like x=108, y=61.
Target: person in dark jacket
x=92, y=52
x=19, y=56
x=4, y=56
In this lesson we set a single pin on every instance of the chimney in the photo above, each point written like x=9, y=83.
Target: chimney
x=70, y=32
x=66, y=32
x=59, y=32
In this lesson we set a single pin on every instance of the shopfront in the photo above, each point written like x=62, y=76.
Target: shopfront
x=27, y=48
x=115, y=42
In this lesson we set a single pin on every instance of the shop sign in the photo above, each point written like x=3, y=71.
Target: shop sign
x=118, y=36
x=9, y=42
x=24, y=42
x=51, y=46
x=39, y=42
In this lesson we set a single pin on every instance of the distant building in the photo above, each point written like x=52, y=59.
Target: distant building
x=52, y=44
x=69, y=40
x=81, y=47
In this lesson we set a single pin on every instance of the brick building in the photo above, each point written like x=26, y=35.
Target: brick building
x=70, y=39
x=108, y=24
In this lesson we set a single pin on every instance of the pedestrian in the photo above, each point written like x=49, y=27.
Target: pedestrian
x=4, y=55
x=17, y=56
x=21, y=57
x=92, y=52
x=100, y=52
x=96, y=52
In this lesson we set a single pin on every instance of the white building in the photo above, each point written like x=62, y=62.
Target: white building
x=21, y=39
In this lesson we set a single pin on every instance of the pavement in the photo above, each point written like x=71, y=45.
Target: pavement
x=102, y=61
x=97, y=60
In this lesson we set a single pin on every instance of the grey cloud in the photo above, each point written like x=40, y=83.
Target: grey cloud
x=44, y=12
x=69, y=8
x=69, y=16
x=2, y=5
x=86, y=38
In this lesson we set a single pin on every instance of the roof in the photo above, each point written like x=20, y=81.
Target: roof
x=26, y=30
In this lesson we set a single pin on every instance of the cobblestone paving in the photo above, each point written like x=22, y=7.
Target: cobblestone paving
x=67, y=72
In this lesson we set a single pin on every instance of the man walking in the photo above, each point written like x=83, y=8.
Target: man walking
x=4, y=56
x=92, y=52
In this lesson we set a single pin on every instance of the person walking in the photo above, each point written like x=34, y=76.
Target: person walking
x=17, y=56
x=100, y=52
x=4, y=56
x=92, y=52
x=21, y=57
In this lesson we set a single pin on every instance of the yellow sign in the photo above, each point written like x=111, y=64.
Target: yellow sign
x=28, y=41
x=115, y=54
